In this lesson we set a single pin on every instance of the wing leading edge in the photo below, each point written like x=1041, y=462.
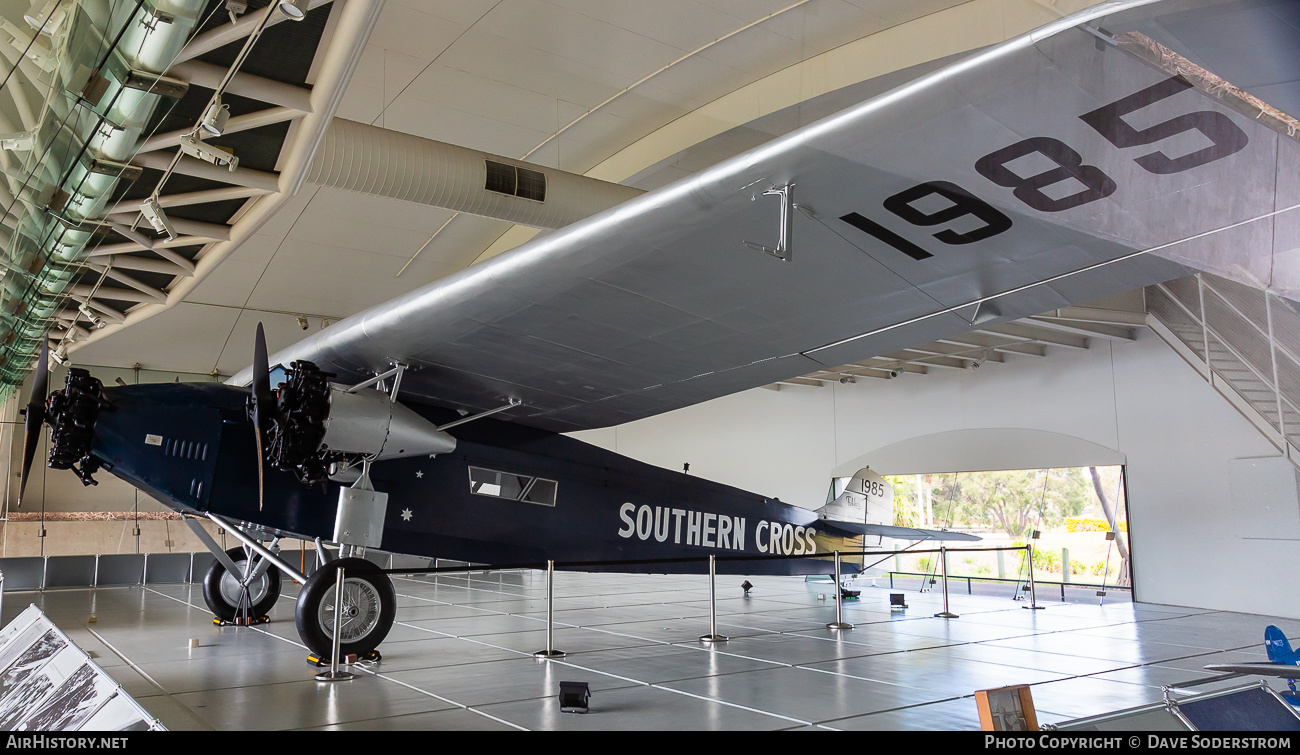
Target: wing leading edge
x=1008, y=184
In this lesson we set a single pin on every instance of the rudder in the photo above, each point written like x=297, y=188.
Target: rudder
x=1279, y=649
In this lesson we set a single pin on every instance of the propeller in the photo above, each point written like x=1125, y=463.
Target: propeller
x=263, y=402
x=34, y=416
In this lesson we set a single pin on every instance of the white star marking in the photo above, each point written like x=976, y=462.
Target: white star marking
x=419, y=474
x=406, y=515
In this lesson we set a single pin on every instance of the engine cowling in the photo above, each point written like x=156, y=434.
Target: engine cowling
x=317, y=422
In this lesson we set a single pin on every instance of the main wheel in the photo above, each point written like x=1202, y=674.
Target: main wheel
x=223, y=592
x=369, y=608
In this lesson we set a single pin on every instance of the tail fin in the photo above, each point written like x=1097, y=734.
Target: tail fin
x=864, y=497
x=1279, y=650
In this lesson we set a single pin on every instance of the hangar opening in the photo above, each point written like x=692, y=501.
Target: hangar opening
x=1075, y=517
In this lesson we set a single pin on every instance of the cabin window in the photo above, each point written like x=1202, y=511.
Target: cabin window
x=512, y=487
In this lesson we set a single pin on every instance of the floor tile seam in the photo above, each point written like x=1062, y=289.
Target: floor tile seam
x=895, y=710
x=362, y=668
x=1208, y=651
x=145, y=674
x=706, y=698
x=584, y=595
x=860, y=678
x=642, y=683
x=462, y=706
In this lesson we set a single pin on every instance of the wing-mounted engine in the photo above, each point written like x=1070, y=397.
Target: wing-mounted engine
x=317, y=423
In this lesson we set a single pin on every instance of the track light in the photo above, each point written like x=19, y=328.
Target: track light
x=153, y=212
x=215, y=117
x=211, y=153
x=18, y=142
x=302, y=323
x=296, y=10
x=48, y=19
x=95, y=319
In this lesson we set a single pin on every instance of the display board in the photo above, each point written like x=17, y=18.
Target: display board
x=47, y=683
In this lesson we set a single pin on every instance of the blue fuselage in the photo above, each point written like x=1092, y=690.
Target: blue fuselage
x=192, y=447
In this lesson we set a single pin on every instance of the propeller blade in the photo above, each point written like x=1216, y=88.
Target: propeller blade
x=261, y=406
x=261, y=381
x=34, y=417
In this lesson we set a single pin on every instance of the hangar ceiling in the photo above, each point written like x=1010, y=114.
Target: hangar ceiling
x=614, y=90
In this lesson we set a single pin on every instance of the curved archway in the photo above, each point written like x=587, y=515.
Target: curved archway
x=983, y=450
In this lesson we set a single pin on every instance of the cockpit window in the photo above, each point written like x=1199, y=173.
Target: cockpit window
x=512, y=487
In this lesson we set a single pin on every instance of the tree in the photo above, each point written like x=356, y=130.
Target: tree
x=1014, y=501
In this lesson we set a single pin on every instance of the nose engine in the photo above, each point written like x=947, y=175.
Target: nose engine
x=71, y=414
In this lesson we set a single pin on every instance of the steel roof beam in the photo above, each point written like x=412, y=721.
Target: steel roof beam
x=1091, y=330
x=167, y=267
x=155, y=294
x=981, y=340
x=221, y=36
x=1032, y=333
x=253, y=179
x=116, y=294
x=125, y=211
x=236, y=124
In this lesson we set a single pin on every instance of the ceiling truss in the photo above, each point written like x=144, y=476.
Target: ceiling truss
x=1074, y=328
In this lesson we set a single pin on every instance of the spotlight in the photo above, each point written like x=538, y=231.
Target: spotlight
x=215, y=117
x=95, y=319
x=211, y=153
x=897, y=601
x=296, y=10
x=847, y=379
x=18, y=142
x=237, y=7
x=48, y=19
x=746, y=586
x=153, y=212
x=893, y=373
x=302, y=323
x=575, y=697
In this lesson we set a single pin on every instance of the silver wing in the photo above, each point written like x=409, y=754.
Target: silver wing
x=885, y=530
x=1058, y=167
x=1282, y=670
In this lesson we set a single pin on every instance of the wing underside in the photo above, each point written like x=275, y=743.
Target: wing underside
x=1281, y=670
x=898, y=533
x=1053, y=169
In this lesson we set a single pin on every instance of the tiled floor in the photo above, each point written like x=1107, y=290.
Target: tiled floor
x=460, y=656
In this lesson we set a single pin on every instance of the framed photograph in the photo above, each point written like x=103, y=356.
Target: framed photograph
x=1006, y=709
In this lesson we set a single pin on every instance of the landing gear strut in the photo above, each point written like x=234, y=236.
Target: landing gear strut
x=233, y=602
x=369, y=608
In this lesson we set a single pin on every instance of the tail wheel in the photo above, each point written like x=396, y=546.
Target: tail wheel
x=368, y=610
x=225, y=595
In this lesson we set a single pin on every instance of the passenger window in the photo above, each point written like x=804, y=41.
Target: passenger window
x=512, y=487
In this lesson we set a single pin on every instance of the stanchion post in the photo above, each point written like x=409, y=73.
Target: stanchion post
x=839, y=615
x=1033, y=593
x=713, y=635
x=550, y=651
x=334, y=675
x=943, y=565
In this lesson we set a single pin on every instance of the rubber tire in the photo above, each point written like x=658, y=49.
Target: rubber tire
x=217, y=602
x=321, y=585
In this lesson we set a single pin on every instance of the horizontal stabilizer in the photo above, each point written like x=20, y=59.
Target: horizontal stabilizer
x=1283, y=670
x=884, y=530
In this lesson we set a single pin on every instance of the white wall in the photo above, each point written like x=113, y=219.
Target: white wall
x=1134, y=403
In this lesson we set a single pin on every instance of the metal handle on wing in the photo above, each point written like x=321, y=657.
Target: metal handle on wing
x=786, y=226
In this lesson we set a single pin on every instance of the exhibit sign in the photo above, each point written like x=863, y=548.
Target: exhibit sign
x=47, y=683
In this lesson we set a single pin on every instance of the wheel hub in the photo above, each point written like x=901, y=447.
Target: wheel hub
x=359, y=614
x=232, y=590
